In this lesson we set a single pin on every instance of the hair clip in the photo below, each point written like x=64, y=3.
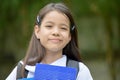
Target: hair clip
x=73, y=28
x=38, y=19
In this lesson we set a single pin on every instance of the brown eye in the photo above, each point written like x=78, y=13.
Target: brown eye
x=64, y=28
x=48, y=26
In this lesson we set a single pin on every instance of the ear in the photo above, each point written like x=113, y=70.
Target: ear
x=36, y=30
x=69, y=38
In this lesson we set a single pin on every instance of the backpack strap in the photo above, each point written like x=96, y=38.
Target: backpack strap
x=73, y=64
x=19, y=70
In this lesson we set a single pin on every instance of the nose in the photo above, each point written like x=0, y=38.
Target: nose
x=56, y=32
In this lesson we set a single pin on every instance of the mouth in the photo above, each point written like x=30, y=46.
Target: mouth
x=55, y=40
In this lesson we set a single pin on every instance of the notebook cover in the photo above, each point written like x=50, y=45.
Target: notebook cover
x=26, y=79
x=50, y=72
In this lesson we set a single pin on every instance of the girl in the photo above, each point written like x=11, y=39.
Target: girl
x=54, y=40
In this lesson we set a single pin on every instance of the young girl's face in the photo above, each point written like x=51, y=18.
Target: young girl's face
x=54, y=32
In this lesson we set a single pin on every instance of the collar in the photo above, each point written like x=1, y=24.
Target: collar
x=60, y=62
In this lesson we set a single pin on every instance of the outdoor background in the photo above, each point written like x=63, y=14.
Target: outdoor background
x=98, y=22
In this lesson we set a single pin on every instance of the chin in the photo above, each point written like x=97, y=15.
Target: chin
x=55, y=50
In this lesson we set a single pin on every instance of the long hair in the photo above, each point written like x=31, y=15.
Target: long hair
x=36, y=51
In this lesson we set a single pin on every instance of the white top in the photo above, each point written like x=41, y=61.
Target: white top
x=83, y=74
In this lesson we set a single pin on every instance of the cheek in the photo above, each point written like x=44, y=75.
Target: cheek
x=43, y=34
x=67, y=36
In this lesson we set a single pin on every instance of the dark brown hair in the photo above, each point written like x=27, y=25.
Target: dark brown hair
x=36, y=51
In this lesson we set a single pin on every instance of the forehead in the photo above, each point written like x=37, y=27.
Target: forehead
x=56, y=16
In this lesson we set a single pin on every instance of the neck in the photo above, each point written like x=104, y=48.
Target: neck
x=51, y=57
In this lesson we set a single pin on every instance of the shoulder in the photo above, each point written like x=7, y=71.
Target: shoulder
x=84, y=72
x=82, y=66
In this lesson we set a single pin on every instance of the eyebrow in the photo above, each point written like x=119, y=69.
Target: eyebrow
x=65, y=25
x=49, y=22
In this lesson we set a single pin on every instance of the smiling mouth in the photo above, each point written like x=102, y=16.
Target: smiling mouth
x=55, y=40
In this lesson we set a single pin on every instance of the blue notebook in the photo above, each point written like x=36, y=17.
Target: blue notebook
x=26, y=79
x=50, y=72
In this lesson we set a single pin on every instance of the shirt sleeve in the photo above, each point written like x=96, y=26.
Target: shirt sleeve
x=84, y=73
x=12, y=75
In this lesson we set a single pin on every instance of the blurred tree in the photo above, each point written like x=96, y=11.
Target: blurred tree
x=108, y=10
